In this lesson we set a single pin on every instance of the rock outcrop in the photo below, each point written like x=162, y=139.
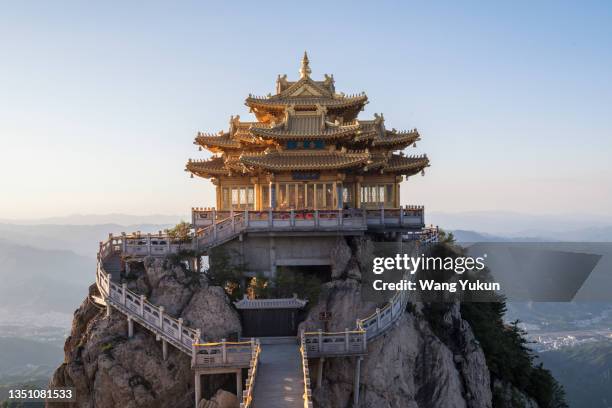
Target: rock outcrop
x=110, y=370
x=408, y=367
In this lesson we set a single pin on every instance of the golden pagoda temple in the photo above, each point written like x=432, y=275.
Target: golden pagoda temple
x=307, y=150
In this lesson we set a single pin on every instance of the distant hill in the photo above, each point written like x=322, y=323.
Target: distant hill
x=585, y=371
x=473, y=236
x=97, y=219
x=38, y=280
x=564, y=227
x=82, y=239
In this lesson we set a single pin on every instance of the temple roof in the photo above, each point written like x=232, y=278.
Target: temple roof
x=334, y=102
x=285, y=303
x=407, y=165
x=305, y=93
x=302, y=126
x=394, y=138
x=307, y=126
x=217, y=141
x=207, y=168
x=296, y=160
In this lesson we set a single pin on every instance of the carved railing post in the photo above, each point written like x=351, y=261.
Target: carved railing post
x=401, y=219
x=316, y=218
x=123, y=293
x=270, y=221
x=320, y=341
x=180, y=328
x=377, y=319
x=292, y=218
x=149, y=243
x=246, y=218
x=161, y=318
x=143, y=299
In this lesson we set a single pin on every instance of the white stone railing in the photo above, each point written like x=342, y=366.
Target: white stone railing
x=321, y=344
x=148, y=315
x=223, y=354
x=247, y=394
x=406, y=217
x=306, y=373
x=348, y=342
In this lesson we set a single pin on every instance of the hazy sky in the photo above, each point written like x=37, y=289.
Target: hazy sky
x=99, y=103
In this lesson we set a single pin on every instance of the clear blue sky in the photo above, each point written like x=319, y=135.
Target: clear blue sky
x=99, y=103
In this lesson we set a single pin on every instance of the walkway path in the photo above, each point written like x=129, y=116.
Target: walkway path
x=280, y=382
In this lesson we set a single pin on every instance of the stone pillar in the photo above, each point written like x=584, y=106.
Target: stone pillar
x=272, y=258
x=239, y=384
x=108, y=309
x=320, y=372
x=198, y=389
x=130, y=327
x=356, y=382
x=164, y=349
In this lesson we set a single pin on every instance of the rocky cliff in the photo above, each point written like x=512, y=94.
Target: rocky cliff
x=414, y=365
x=110, y=370
x=420, y=363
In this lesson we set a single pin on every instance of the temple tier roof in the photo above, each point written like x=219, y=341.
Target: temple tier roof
x=304, y=160
x=304, y=94
x=308, y=160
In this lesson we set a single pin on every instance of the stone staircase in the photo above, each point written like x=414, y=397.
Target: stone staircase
x=280, y=381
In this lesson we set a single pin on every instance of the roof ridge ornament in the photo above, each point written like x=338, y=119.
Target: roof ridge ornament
x=305, y=70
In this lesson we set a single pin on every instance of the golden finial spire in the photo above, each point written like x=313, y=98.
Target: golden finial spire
x=305, y=69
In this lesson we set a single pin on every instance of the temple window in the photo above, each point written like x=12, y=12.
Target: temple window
x=265, y=197
x=238, y=198
x=377, y=195
x=347, y=196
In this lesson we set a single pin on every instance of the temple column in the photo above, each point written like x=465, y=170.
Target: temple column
x=358, y=181
x=396, y=191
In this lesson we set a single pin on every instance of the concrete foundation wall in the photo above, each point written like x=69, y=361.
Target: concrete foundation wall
x=262, y=254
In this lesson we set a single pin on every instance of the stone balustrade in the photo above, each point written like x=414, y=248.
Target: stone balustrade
x=247, y=394
x=152, y=317
x=223, y=354
x=360, y=219
x=306, y=372
x=320, y=343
